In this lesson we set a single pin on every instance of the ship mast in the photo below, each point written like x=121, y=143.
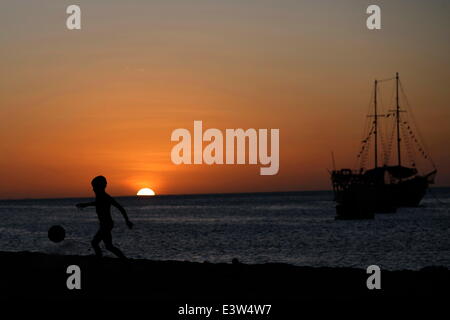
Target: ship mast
x=398, y=123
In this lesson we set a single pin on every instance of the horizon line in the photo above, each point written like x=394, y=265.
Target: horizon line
x=187, y=194
x=168, y=194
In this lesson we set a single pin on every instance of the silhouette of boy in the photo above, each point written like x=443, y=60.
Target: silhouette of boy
x=102, y=203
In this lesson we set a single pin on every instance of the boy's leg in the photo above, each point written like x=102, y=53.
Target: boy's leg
x=107, y=240
x=96, y=243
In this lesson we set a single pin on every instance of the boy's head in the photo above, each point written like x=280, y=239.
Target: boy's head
x=99, y=184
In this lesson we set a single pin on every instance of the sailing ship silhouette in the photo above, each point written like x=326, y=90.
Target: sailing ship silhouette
x=383, y=188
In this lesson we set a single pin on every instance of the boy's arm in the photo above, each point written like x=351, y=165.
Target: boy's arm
x=85, y=204
x=122, y=211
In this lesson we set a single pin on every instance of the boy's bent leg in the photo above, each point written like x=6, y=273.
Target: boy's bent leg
x=107, y=240
x=115, y=250
x=96, y=243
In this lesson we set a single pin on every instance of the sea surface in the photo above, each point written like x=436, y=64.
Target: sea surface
x=296, y=227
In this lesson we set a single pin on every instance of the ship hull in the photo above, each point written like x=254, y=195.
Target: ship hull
x=409, y=193
x=346, y=212
x=355, y=199
x=358, y=196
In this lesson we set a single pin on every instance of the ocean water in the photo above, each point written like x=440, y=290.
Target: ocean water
x=296, y=228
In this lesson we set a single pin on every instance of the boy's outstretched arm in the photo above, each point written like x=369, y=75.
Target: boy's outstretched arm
x=85, y=204
x=123, y=212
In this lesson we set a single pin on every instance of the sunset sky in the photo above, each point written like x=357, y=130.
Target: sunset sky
x=105, y=99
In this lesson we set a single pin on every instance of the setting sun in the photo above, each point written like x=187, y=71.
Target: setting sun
x=146, y=192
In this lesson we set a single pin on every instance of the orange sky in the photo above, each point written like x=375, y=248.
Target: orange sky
x=105, y=99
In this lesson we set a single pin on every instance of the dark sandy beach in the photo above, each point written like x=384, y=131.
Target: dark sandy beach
x=42, y=277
